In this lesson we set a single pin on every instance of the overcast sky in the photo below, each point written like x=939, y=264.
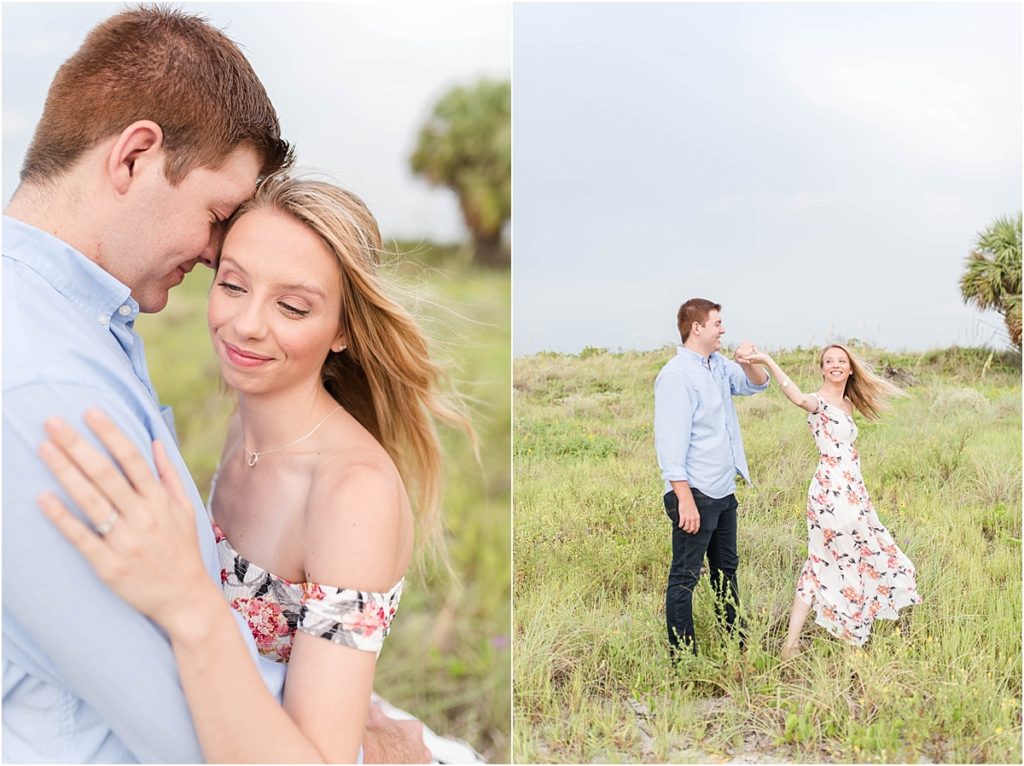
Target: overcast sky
x=352, y=83
x=820, y=169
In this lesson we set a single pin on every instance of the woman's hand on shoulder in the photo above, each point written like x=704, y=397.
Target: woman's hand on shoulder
x=141, y=537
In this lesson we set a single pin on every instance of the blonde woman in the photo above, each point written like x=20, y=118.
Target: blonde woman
x=337, y=399
x=854, y=573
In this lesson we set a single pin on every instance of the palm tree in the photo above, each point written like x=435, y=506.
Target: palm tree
x=992, y=276
x=466, y=145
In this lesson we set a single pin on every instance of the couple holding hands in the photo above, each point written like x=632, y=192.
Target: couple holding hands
x=854, y=572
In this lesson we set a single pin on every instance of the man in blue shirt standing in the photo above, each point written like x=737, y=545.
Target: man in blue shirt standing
x=700, y=452
x=153, y=133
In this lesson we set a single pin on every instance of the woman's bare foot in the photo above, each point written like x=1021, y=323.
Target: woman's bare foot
x=789, y=651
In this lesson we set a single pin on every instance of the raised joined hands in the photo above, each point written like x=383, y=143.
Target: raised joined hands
x=743, y=350
x=748, y=353
x=143, y=541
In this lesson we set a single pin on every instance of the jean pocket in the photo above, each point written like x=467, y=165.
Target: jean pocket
x=672, y=507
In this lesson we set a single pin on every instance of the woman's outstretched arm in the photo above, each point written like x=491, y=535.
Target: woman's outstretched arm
x=808, y=402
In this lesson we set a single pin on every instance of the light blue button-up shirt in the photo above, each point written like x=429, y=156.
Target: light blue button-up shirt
x=696, y=431
x=86, y=678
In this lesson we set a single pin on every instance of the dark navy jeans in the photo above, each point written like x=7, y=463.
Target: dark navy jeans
x=716, y=538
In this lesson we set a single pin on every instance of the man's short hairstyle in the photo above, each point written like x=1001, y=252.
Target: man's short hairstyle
x=694, y=310
x=160, y=64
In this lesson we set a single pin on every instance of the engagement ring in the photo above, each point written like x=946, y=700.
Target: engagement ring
x=104, y=527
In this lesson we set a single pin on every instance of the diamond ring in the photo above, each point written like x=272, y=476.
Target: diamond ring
x=104, y=527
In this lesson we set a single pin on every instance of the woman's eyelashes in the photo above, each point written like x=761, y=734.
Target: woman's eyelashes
x=288, y=308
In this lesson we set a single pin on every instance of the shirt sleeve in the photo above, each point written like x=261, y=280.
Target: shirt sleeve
x=356, y=619
x=739, y=383
x=58, y=614
x=673, y=422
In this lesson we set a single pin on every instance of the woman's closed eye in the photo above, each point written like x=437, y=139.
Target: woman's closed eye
x=230, y=288
x=292, y=310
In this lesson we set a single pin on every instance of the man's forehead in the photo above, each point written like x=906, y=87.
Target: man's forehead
x=234, y=181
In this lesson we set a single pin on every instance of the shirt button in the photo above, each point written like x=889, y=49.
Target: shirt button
x=104, y=318
x=124, y=311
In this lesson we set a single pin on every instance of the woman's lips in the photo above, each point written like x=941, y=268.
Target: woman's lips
x=242, y=358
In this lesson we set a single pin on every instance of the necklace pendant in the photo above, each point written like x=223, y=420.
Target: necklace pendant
x=253, y=457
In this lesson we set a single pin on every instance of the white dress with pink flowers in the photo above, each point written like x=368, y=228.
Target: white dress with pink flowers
x=275, y=607
x=855, y=573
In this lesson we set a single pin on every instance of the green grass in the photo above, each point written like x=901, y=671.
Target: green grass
x=447, y=660
x=592, y=547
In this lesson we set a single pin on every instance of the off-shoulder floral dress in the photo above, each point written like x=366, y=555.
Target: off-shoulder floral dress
x=854, y=573
x=276, y=608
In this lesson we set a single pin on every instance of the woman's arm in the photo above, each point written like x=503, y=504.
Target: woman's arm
x=808, y=402
x=149, y=557
x=357, y=533
x=64, y=627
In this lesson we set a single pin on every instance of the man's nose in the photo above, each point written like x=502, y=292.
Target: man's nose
x=209, y=255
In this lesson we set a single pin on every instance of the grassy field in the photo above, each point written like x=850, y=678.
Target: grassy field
x=592, y=680
x=447, y=659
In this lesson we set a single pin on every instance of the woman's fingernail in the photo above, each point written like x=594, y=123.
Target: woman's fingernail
x=94, y=416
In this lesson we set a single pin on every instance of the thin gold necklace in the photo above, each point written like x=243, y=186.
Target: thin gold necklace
x=252, y=457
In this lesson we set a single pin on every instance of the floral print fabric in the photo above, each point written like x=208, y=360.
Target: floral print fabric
x=275, y=608
x=854, y=573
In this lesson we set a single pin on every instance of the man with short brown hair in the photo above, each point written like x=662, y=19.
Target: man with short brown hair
x=700, y=452
x=166, y=66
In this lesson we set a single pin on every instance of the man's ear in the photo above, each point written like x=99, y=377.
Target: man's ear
x=138, y=146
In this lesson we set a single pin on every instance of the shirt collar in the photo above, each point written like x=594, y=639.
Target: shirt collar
x=72, y=274
x=695, y=357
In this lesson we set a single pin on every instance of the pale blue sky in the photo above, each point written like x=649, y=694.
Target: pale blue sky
x=352, y=83
x=821, y=169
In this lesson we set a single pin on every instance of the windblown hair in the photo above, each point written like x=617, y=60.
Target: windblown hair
x=384, y=377
x=869, y=393
x=694, y=310
x=160, y=64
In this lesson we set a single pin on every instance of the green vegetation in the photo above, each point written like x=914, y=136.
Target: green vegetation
x=447, y=659
x=992, y=275
x=466, y=145
x=592, y=679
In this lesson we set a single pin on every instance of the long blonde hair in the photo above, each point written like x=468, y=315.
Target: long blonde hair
x=868, y=392
x=384, y=377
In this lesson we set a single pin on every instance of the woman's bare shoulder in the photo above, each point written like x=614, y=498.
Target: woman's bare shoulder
x=357, y=525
